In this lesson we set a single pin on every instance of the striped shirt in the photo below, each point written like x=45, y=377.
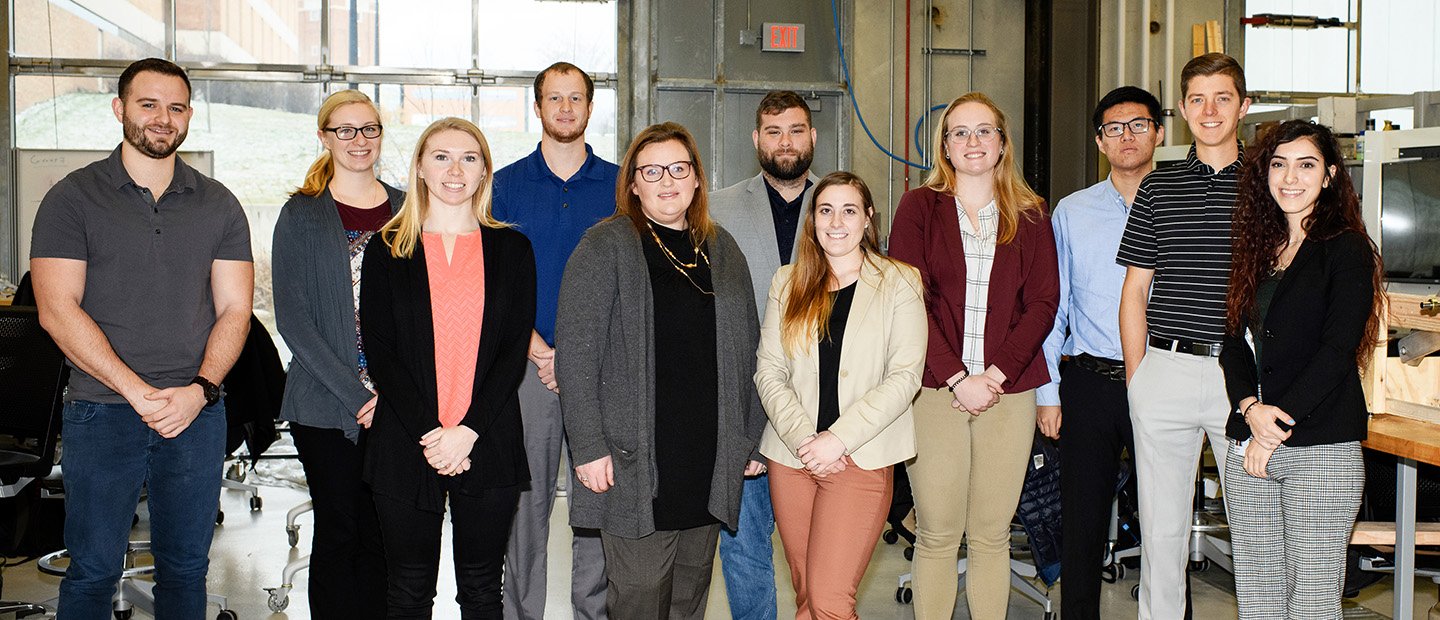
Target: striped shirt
x=1180, y=228
x=979, y=246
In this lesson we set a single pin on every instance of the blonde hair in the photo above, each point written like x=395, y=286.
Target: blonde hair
x=323, y=169
x=697, y=215
x=1013, y=195
x=402, y=232
x=808, y=303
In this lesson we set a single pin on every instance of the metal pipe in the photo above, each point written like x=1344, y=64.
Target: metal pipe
x=890, y=122
x=1170, y=76
x=928, y=80
x=1121, y=19
x=1145, y=44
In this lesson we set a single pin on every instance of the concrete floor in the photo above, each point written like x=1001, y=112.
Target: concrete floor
x=250, y=551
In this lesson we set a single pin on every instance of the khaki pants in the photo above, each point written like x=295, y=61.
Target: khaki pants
x=966, y=479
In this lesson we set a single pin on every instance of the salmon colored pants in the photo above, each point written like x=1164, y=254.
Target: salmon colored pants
x=829, y=527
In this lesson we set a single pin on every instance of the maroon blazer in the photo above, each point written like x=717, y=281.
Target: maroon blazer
x=1024, y=290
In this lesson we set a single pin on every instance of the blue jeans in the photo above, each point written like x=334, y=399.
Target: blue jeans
x=747, y=556
x=109, y=455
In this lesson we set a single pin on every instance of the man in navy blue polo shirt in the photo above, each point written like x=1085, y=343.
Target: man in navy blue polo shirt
x=552, y=196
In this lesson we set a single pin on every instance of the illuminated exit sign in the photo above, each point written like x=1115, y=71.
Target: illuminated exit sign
x=782, y=37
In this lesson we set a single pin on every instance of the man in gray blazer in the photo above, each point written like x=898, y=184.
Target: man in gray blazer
x=763, y=213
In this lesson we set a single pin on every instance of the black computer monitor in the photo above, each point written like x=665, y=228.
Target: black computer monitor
x=1410, y=220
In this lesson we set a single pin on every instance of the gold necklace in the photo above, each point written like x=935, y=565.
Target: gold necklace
x=679, y=265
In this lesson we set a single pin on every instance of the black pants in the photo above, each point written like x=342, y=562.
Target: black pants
x=1094, y=428
x=347, y=560
x=481, y=530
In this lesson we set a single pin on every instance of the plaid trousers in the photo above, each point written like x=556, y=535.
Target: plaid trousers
x=1289, y=531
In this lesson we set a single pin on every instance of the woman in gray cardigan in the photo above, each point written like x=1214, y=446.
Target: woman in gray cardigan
x=320, y=239
x=655, y=349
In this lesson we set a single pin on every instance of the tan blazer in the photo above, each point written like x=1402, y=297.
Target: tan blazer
x=881, y=359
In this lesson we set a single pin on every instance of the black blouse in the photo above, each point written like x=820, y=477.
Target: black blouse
x=830, y=358
x=685, y=389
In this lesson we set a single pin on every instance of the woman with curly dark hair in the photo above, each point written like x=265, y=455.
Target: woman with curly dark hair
x=1305, y=282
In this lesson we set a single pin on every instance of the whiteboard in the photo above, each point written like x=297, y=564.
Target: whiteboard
x=37, y=170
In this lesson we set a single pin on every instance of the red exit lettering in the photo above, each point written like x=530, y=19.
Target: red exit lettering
x=784, y=37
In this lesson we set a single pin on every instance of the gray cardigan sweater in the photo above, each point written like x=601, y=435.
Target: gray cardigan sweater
x=315, y=313
x=604, y=363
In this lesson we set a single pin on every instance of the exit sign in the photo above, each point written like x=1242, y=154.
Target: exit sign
x=782, y=37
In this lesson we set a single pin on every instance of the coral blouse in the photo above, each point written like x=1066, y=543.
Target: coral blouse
x=457, y=302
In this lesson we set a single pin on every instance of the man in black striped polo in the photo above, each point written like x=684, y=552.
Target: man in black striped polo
x=1176, y=251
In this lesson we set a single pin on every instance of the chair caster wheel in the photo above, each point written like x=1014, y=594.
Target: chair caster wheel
x=1110, y=573
x=278, y=602
x=1201, y=566
x=256, y=503
x=226, y=614
x=293, y=536
x=220, y=517
x=124, y=614
x=1135, y=592
x=890, y=537
x=909, y=553
x=1050, y=615
x=904, y=595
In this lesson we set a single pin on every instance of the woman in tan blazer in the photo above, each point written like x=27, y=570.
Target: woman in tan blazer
x=841, y=351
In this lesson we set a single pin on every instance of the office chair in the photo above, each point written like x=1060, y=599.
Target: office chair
x=279, y=597
x=32, y=378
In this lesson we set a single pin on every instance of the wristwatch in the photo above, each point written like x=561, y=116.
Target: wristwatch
x=212, y=391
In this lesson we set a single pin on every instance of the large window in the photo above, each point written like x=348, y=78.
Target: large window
x=1398, y=50
x=257, y=112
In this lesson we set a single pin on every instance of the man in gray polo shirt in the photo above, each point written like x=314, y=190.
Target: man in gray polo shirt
x=143, y=276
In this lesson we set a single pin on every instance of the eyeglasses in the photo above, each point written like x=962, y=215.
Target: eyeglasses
x=347, y=133
x=962, y=134
x=654, y=172
x=1137, y=126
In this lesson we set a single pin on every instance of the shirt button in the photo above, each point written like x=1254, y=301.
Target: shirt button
x=157, y=231
x=565, y=205
x=565, y=189
x=844, y=373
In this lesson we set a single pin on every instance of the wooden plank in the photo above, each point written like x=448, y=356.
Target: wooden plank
x=1213, y=42
x=1405, y=311
x=1197, y=40
x=1405, y=437
x=1383, y=533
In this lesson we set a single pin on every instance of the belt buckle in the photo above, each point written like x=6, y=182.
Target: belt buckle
x=1206, y=349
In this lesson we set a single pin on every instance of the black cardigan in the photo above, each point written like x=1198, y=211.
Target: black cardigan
x=1315, y=323
x=397, y=327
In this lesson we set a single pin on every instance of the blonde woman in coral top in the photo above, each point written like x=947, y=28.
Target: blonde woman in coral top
x=446, y=308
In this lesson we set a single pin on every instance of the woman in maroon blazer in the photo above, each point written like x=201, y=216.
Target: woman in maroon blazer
x=983, y=244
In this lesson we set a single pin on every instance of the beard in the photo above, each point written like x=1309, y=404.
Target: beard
x=565, y=137
x=787, y=171
x=135, y=135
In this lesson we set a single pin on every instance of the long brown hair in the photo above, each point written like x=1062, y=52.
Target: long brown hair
x=808, y=302
x=627, y=204
x=1013, y=195
x=1259, y=228
x=402, y=232
x=318, y=177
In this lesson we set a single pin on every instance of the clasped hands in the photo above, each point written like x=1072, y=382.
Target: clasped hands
x=976, y=393
x=1266, y=434
x=170, y=411
x=822, y=454
x=447, y=450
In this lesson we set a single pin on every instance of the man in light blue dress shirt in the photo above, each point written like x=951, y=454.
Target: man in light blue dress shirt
x=1096, y=423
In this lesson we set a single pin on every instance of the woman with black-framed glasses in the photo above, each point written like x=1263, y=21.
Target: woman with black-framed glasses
x=655, y=344
x=320, y=240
